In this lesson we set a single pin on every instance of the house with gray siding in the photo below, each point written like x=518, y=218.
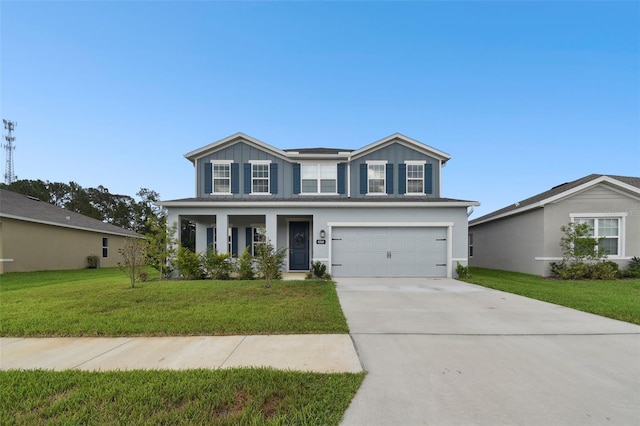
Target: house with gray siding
x=373, y=211
x=525, y=236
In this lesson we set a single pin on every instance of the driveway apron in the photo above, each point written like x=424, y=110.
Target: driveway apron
x=443, y=352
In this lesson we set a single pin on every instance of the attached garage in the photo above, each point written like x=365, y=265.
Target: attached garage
x=390, y=251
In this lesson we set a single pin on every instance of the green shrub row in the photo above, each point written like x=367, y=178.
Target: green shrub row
x=600, y=270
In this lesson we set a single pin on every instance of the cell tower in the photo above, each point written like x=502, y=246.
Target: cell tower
x=9, y=177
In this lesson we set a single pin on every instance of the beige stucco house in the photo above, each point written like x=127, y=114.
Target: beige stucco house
x=38, y=236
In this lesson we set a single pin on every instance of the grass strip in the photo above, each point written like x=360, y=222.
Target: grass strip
x=617, y=299
x=99, y=302
x=249, y=396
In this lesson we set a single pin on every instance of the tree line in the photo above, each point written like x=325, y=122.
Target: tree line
x=98, y=203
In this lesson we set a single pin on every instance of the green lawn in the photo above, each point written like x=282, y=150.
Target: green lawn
x=99, y=302
x=220, y=397
x=617, y=299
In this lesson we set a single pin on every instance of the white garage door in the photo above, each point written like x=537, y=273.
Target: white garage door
x=388, y=252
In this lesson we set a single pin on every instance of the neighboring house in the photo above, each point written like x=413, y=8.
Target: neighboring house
x=375, y=211
x=38, y=236
x=525, y=236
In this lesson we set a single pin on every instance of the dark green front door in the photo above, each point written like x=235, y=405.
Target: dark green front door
x=299, y=246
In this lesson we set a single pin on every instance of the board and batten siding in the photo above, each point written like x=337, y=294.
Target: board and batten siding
x=395, y=155
x=241, y=154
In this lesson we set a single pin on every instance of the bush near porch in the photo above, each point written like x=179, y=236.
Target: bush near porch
x=617, y=299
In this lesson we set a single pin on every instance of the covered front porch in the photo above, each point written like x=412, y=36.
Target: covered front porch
x=233, y=233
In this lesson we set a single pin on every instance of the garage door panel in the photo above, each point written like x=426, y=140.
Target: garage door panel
x=389, y=251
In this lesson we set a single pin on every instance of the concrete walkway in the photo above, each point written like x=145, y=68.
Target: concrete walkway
x=324, y=353
x=443, y=352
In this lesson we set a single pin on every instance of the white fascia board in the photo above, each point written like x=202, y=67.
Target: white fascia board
x=562, y=195
x=62, y=225
x=406, y=141
x=328, y=157
x=317, y=204
x=223, y=143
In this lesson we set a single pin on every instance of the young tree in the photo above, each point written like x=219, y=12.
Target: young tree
x=578, y=243
x=162, y=245
x=269, y=261
x=133, y=258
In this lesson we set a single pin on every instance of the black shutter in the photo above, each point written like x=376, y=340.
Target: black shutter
x=296, y=178
x=428, y=178
x=234, y=241
x=247, y=178
x=389, y=178
x=363, y=178
x=210, y=239
x=342, y=178
x=273, y=177
x=208, y=178
x=248, y=238
x=402, y=178
x=235, y=178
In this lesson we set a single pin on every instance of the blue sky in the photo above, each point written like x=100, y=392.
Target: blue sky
x=523, y=95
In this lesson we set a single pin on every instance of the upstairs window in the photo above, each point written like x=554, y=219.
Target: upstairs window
x=319, y=178
x=105, y=246
x=415, y=178
x=260, y=178
x=376, y=177
x=222, y=178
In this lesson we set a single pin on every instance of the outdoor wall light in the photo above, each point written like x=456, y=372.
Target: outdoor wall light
x=322, y=233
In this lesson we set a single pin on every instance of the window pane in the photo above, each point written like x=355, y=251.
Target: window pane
x=328, y=186
x=607, y=227
x=221, y=185
x=610, y=245
x=260, y=185
x=415, y=186
x=260, y=170
x=221, y=170
x=328, y=171
x=376, y=171
x=309, y=186
x=376, y=186
x=309, y=171
x=590, y=222
x=415, y=171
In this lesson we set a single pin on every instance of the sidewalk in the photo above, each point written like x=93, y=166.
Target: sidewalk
x=324, y=353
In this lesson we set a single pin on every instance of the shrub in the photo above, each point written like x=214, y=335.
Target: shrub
x=188, y=263
x=606, y=270
x=570, y=271
x=462, y=271
x=633, y=269
x=319, y=270
x=245, y=265
x=217, y=266
x=92, y=261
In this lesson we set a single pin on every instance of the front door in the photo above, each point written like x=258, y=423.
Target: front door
x=298, y=246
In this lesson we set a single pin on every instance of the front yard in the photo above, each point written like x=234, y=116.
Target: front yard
x=617, y=299
x=100, y=303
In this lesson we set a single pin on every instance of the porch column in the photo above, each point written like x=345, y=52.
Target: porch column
x=271, y=227
x=222, y=233
x=201, y=237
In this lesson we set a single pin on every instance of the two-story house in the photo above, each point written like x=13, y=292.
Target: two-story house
x=373, y=211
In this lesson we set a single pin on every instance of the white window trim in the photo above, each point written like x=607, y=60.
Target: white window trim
x=318, y=164
x=261, y=162
x=622, y=219
x=384, y=179
x=213, y=186
x=406, y=178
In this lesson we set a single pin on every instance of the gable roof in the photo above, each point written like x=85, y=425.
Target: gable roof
x=23, y=207
x=404, y=140
x=630, y=184
x=231, y=140
x=290, y=154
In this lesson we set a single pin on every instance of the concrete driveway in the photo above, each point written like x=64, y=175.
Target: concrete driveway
x=443, y=352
